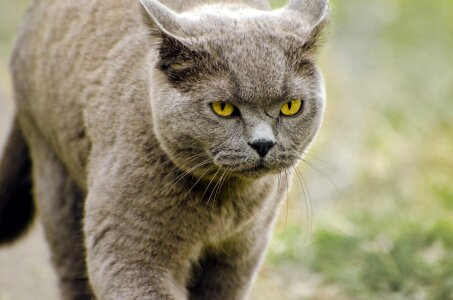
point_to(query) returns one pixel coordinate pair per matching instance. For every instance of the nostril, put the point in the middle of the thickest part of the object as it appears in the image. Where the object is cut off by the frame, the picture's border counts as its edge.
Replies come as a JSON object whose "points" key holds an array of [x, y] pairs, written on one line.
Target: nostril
{"points": [[262, 147]]}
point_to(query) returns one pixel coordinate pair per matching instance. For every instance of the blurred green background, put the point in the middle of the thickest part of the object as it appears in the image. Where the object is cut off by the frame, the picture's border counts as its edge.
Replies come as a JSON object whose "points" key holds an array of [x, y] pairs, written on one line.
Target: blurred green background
{"points": [[371, 216]]}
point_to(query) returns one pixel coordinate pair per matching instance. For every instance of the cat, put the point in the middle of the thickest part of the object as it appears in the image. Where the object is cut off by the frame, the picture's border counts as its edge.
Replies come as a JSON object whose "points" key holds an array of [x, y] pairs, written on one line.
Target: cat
{"points": [[158, 139]]}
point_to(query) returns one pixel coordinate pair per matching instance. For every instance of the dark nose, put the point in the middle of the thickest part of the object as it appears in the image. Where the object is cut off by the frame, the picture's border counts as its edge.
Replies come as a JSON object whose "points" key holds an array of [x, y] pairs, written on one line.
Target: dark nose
{"points": [[262, 147]]}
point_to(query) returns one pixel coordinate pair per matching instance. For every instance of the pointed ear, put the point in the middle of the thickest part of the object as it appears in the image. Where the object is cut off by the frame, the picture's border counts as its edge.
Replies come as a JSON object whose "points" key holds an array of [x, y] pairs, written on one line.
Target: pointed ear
{"points": [[313, 12], [310, 18], [165, 21], [181, 60], [167, 28]]}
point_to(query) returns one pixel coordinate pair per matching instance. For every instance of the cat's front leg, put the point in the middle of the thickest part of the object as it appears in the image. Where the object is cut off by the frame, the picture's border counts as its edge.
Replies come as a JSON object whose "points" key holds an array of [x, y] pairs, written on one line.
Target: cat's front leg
{"points": [[135, 247], [227, 271]]}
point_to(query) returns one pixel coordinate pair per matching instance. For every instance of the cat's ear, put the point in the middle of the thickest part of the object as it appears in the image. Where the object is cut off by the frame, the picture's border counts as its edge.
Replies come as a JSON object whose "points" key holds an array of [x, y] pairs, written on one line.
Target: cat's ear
{"points": [[164, 21], [310, 18], [177, 56], [312, 12]]}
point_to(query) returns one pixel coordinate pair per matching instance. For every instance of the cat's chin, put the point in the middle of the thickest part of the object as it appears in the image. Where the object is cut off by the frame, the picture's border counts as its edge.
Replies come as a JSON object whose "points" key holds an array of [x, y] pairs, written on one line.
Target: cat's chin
{"points": [[253, 173], [256, 172]]}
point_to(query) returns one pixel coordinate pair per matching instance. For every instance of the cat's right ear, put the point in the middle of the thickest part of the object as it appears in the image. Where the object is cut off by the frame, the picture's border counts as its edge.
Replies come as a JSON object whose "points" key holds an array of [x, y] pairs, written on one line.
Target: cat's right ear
{"points": [[164, 21], [168, 28], [178, 56]]}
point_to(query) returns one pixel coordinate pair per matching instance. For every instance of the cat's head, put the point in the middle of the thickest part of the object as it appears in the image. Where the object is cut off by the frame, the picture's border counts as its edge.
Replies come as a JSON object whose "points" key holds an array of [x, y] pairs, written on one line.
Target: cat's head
{"points": [[234, 87]]}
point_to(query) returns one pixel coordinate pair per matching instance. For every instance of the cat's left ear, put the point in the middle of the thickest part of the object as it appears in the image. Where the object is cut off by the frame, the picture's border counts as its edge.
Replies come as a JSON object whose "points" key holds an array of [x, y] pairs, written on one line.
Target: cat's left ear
{"points": [[308, 18], [312, 12]]}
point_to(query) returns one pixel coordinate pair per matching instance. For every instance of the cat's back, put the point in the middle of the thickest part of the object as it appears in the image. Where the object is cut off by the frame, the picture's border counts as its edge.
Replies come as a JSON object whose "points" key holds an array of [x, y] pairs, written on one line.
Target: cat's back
{"points": [[65, 56], [63, 37]]}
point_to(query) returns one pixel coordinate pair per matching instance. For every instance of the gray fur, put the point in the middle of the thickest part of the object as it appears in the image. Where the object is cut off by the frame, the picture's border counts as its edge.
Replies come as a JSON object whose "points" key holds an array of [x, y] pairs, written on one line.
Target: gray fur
{"points": [[113, 102]]}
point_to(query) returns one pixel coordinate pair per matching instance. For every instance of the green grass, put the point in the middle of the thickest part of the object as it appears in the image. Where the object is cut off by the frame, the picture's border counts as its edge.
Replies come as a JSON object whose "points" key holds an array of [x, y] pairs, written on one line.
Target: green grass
{"points": [[388, 258], [389, 233]]}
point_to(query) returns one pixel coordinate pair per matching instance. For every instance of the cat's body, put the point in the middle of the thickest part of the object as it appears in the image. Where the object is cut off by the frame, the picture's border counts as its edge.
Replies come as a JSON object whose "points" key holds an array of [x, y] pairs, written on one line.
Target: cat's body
{"points": [[120, 184]]}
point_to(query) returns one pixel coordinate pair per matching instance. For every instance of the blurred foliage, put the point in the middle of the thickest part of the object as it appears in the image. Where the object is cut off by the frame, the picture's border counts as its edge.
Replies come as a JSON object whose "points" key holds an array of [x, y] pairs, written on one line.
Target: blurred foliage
{"points": [[389, 235], [10, 14]]}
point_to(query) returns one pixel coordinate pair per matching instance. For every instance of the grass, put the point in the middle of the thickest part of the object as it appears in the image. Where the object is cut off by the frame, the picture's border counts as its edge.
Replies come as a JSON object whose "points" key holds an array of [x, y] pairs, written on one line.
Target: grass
{"points": [[389, 233]]}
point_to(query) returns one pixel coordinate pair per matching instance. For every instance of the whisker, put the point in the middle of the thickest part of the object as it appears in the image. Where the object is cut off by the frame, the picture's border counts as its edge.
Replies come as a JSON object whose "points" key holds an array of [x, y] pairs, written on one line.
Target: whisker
{"points": [[319, 172], [325, 163], [215, 186], [199, 179], [272, 200], [239, 200], [229, 190], [223, 179], [193, 158], [322, 174], [287, 202], [176, 168], [310, 201], [307, 209], [209, 184], [185, 173], [279, 242], [179, 155]]}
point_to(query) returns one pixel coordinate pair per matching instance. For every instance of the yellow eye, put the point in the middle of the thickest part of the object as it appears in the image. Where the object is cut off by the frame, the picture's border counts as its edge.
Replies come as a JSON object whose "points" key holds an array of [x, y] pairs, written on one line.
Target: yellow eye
{"points": [[223, 109], [291, 108]]}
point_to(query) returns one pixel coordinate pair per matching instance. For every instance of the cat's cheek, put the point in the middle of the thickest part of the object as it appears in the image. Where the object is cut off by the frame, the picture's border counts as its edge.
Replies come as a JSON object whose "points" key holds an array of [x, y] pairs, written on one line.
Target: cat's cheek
{"points": [[295, 135]]}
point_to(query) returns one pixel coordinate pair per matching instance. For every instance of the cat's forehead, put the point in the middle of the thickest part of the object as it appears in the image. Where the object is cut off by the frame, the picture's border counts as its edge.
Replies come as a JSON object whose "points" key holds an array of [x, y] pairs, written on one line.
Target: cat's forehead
{"points": [[257, 66], [261, 53], [254, 48], [221, 20]]}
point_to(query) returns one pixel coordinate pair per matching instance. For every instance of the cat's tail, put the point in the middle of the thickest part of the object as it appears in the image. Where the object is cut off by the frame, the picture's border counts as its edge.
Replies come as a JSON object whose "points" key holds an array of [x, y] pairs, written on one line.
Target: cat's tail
{"points": [[16, 201]]}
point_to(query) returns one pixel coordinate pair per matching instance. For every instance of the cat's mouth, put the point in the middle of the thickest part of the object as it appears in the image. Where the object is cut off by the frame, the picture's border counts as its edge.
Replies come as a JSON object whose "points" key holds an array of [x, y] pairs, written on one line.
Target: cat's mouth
{"points": [[243, 166]]}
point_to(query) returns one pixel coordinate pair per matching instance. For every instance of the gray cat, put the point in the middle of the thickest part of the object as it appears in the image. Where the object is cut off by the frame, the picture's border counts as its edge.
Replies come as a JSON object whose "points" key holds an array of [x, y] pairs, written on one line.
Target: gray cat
{"points": [[159, 138]]}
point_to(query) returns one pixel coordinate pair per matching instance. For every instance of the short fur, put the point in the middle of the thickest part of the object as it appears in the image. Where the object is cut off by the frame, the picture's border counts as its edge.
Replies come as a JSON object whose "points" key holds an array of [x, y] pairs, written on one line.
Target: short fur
{"points": [[133, 173]]}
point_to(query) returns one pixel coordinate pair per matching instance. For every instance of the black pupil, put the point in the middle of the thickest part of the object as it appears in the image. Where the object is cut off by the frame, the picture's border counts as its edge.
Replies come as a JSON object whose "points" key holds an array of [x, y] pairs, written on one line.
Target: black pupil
{"points": [[222, 106], [289, 105]]}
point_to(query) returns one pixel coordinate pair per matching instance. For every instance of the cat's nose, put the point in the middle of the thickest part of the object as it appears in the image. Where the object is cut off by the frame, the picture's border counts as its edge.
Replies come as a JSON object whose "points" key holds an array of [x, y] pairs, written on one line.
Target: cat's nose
{"points": [[262, 147]]}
